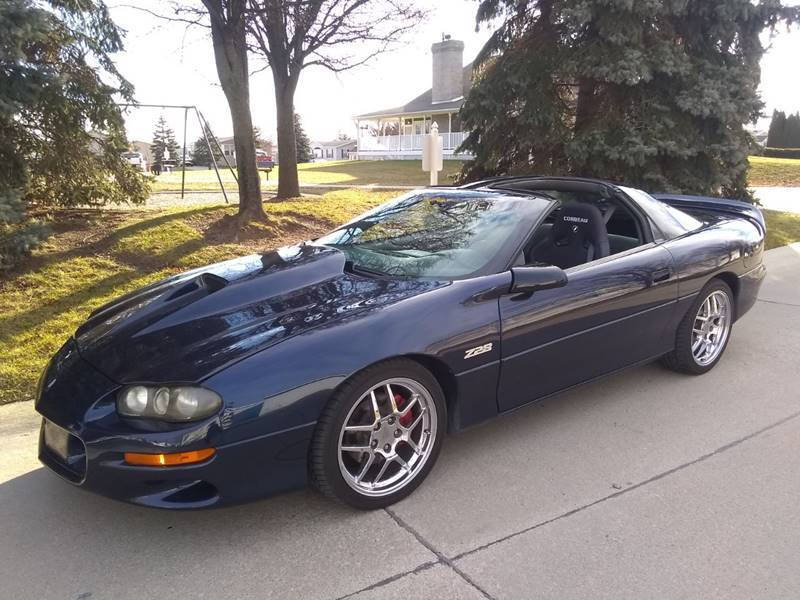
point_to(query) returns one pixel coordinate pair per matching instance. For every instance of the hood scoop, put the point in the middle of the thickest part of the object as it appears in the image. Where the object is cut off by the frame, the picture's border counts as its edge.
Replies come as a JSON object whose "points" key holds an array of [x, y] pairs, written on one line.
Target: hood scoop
{"points": [[206, 281], [138, 309]]}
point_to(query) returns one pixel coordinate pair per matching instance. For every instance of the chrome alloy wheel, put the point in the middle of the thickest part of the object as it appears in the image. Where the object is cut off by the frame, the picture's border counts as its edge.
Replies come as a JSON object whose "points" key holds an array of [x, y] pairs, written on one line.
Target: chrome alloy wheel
{"points": [[711, 328], [387, 437]]}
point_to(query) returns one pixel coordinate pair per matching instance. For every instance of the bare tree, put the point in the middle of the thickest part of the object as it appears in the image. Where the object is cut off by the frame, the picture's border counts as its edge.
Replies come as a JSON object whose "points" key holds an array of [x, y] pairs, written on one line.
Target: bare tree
{"points": [[334, 34], [229, 37], [226, 20]]}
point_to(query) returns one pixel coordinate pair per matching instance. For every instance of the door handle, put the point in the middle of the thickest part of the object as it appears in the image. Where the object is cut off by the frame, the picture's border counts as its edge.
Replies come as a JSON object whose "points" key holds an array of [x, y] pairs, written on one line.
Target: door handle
{"points": [[660, 275]]}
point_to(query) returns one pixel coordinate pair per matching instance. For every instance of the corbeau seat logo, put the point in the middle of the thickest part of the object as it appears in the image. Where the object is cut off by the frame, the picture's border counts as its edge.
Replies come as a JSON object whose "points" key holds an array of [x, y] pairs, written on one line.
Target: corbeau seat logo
{"points": [[476, 351], [576, 219]]}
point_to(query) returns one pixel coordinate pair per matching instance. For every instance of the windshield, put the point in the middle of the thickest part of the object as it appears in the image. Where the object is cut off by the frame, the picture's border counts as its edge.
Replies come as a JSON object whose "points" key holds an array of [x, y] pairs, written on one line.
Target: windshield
{"points": [[439, 234]]}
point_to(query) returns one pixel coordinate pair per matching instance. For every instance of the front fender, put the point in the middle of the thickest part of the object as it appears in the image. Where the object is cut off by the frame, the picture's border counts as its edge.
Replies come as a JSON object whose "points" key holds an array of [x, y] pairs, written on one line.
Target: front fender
{"points": [[287, 385]]}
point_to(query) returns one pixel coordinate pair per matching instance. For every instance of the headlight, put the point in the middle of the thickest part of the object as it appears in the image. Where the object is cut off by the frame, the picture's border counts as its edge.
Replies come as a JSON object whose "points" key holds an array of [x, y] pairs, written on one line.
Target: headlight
{"points": [[168, 403]]}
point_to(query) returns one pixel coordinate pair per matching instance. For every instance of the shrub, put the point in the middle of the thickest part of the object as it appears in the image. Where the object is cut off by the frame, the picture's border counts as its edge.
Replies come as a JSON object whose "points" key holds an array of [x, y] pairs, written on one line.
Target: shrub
{"points": [[782, 152]]}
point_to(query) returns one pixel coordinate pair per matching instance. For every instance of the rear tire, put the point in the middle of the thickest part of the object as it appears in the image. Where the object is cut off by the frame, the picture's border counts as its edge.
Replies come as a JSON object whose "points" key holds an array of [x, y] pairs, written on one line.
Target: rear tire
{"points": [[704, 331], [379, 436]]}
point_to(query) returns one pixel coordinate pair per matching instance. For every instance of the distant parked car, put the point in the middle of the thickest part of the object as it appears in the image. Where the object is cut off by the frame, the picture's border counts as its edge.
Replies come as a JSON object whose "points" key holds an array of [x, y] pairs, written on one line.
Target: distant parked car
{"points": [[136, 158], [264, 160]]}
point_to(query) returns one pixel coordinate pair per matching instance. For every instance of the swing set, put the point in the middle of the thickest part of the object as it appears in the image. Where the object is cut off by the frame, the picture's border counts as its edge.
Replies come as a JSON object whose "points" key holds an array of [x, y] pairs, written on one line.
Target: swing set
{"points": [[205, 129]]}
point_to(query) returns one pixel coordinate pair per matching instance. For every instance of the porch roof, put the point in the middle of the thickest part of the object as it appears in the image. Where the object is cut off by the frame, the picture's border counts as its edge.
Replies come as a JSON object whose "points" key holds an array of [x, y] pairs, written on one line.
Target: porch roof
{"points": [[424, 104]]}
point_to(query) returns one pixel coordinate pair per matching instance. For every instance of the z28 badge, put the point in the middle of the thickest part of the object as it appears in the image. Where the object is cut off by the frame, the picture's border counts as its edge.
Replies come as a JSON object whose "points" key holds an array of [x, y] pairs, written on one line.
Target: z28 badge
{"points": [[479, 350]]}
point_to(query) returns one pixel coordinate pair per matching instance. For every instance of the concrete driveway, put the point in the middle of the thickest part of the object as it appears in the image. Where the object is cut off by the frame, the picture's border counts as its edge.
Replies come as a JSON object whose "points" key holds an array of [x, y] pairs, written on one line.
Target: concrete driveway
{"points": [[786, 199], [648, 484]]}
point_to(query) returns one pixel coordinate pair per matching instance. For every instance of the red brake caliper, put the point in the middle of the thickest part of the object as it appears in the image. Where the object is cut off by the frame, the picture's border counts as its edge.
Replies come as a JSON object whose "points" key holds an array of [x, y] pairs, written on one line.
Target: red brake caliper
{"points": [[407, 418]]}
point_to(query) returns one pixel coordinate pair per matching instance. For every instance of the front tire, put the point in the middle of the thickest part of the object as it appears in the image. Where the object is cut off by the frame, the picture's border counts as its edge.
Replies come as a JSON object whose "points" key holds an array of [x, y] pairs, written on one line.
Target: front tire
{"points": [[704, 332], [379, 436]]}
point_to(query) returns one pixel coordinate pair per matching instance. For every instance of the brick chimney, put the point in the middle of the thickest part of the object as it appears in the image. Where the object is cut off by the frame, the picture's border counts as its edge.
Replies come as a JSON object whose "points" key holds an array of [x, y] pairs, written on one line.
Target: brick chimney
{"points": [[448, 65]]}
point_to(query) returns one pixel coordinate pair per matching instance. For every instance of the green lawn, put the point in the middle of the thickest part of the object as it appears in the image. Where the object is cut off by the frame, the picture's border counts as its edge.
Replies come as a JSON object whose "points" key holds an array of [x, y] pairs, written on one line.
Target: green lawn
{"points": [[95, 256], [782, 228], [776, 172], [763, 172], [347, 172]]}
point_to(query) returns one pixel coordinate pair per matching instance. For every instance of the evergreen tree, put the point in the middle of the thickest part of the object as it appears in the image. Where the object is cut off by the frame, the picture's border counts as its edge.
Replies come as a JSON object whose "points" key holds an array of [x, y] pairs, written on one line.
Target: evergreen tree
{"points": [[304, 151], [652, 93], [61, 135], [164, 147], [777, 130], [172, 147], [200, 154], [260, 142], [792, 132]]}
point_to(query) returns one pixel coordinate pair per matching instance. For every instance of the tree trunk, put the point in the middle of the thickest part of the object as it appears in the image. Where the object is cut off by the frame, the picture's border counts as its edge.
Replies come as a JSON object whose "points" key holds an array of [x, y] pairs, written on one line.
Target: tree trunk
{"points": [[584, 107], [230, 54], [584, 120], [250, 206], [288, 183]]}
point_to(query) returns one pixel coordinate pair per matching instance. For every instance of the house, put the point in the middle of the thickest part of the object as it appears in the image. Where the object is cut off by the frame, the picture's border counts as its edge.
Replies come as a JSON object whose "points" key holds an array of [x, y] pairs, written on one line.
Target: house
{"points": [[229, 150], [340, 149], [397, 133], [759, 136]]}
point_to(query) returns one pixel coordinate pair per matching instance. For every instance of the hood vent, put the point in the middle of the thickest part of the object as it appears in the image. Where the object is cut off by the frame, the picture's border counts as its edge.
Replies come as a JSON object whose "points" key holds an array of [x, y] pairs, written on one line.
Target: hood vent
{"points": [[207, 281]]}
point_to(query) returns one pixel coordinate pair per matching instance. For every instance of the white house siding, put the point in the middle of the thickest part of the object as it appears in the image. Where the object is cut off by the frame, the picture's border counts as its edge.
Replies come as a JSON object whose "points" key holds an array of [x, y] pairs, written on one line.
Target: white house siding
{"points": [[397, 133]]}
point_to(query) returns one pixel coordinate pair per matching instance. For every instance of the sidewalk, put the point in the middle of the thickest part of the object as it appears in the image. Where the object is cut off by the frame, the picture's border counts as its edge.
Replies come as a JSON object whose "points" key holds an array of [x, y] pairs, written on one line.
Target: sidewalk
{"points": [[785, 199]]}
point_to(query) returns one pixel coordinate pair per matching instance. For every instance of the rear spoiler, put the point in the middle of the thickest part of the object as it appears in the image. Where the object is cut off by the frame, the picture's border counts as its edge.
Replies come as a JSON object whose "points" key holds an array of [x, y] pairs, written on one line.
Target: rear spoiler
{"points": [[723, 206]]}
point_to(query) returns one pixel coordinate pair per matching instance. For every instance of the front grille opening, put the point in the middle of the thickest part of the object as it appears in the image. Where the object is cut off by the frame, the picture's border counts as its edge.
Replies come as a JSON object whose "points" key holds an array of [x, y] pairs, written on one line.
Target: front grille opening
{"points": [[73, 467], [199, 491]]}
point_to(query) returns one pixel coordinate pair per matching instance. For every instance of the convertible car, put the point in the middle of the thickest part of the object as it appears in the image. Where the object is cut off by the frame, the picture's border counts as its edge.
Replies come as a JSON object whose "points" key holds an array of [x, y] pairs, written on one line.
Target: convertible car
{"points": [[342, 362]]}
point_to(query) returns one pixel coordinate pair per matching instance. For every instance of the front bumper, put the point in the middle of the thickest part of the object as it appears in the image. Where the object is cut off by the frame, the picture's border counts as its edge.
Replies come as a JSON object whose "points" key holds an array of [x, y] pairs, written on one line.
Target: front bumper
{"points": [[250, 461], [236, 473]]}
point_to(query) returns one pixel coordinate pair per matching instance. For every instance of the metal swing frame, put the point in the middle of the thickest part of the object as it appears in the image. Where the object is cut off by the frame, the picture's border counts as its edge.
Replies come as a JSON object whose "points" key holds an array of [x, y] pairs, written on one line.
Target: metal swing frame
{"points": [[205, 129]]}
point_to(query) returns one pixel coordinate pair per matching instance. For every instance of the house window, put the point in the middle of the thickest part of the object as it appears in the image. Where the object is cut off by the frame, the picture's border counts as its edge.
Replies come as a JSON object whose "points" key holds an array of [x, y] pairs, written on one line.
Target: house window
{"points": [[420, 126]]}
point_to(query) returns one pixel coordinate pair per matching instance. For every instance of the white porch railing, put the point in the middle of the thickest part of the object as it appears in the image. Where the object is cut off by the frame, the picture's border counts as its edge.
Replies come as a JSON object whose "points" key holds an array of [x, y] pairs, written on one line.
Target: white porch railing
{"points": [[403, 143]]}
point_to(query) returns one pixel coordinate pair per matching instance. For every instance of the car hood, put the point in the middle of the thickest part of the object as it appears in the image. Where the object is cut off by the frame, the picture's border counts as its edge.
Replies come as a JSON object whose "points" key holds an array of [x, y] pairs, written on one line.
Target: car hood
{"points": [[186, 327]]}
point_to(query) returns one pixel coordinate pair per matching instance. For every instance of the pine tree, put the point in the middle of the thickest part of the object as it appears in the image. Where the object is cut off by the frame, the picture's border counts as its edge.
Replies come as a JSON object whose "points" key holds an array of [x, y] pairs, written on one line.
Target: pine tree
{"points": [[777, 130], [61, 134], [200, 154], [171, 145], [164, 147], [260, 142], [655, 94], [304, 151], [792, 131]]}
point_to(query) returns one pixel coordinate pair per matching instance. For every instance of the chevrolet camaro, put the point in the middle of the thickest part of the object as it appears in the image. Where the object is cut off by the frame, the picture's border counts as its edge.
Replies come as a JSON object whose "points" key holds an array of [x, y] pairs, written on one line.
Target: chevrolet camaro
{"points": [[342, 362]]}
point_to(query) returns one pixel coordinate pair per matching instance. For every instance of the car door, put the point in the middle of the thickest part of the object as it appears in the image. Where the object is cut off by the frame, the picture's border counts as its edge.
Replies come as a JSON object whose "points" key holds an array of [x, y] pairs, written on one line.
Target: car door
{"points": [[612, 313]]}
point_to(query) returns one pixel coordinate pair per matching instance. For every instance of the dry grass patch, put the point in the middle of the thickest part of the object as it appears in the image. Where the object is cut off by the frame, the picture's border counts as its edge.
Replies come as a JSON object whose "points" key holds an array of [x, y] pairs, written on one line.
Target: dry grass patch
{"points": [[95, 256], [774, 172]]}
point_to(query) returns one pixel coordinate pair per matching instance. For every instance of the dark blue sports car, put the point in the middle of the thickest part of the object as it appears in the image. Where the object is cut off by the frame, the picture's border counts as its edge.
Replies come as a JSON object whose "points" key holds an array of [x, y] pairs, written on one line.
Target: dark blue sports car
{"points": [[342, 362]]}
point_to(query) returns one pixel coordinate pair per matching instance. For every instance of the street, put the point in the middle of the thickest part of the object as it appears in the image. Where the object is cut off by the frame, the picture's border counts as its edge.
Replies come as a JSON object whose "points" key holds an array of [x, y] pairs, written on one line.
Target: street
{"points": [[647, 484]]}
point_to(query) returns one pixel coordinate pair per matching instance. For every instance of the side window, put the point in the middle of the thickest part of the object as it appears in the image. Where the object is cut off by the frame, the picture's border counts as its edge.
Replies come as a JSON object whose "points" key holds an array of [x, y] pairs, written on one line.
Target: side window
{"points": [[623, 229], [583, 228]]}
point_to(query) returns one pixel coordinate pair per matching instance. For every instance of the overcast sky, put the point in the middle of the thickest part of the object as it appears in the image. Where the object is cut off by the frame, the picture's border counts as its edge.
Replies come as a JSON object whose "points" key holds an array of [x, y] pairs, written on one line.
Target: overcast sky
{"points": [[169, 64]]}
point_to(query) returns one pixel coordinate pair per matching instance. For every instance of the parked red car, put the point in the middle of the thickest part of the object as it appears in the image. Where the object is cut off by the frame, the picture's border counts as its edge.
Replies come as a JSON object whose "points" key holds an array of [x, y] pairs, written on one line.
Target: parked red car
{"points": [[264, 160]]}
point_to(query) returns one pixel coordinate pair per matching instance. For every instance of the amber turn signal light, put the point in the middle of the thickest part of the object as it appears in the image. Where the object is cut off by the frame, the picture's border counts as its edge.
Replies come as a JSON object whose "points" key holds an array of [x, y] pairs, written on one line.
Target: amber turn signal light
{"points": [[172, 459]]}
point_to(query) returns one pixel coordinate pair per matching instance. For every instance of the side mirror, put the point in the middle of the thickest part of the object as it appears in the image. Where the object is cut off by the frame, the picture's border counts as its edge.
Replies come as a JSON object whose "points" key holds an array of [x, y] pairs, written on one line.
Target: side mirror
{"points": [[527, 280]]}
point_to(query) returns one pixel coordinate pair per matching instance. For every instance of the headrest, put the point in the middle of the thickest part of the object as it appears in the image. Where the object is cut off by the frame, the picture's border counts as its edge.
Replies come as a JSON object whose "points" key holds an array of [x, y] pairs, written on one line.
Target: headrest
{"points": [[578, 220]]}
